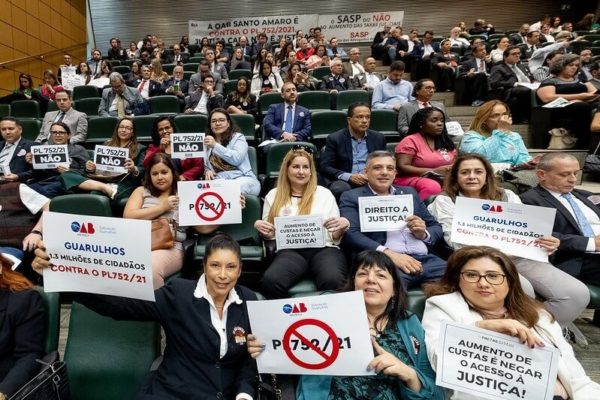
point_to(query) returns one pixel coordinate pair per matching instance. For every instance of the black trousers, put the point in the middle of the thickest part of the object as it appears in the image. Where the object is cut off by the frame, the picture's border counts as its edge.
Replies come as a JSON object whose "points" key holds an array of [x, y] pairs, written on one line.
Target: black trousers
{"points": [[590, 273], [477, 86], [518, 99], [326, 266]]}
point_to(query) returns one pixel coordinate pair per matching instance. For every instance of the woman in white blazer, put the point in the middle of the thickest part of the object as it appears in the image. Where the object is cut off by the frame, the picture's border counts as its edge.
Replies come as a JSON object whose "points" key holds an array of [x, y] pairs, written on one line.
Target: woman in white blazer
{"points": [[481, 288], [266, 80]]}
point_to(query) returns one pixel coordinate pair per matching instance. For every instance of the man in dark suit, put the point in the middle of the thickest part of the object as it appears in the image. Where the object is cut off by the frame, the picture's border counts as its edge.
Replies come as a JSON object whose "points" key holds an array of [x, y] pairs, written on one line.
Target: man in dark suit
{"points": [[287, 121], [262, 42], [408, 248], [204, 99], [344, 158], [147, 87], [577, 221], [245, 46], [520, 37], [176, 82], [177, 57], [422, 53], [337, 81], [507, 77], [203, 71], [13, 149], [475, 71], [532, 43]]}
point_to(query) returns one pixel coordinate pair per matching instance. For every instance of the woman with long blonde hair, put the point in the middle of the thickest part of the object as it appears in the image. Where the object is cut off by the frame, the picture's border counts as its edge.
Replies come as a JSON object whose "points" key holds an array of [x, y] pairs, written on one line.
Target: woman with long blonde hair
{"points": [[297, 193]]}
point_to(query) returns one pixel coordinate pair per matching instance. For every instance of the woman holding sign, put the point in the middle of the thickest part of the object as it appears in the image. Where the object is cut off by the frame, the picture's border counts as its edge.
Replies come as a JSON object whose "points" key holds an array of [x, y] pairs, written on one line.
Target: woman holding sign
{"points": [[158, 199], [297, 194], [205, 324], [473, 176], [403, 370], [188, 169], [227, 153], [115, 186], [424, 157], [481, 288], [47, 181]]}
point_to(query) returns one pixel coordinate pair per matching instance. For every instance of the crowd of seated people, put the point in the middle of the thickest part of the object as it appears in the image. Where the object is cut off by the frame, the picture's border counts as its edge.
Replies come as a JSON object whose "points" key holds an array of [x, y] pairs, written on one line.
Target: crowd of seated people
{"points": [[499, 79]]}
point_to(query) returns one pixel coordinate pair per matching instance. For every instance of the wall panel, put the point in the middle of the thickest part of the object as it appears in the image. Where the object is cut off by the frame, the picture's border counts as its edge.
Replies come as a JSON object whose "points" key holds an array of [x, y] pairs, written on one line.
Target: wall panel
{"points": [[34, 27]]}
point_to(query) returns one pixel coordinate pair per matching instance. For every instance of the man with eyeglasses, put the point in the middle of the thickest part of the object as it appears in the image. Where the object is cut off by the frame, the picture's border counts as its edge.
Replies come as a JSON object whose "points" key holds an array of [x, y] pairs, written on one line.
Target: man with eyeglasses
{"points": [[120, 100], [205, 98], [514, 83], [423, 93], [47, 181], [409, 248], [353, 67], [76, 120], [392, 92]]}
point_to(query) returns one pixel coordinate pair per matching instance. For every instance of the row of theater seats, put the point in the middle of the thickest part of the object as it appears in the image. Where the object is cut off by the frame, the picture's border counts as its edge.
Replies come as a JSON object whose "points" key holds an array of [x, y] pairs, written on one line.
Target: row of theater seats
{"points": [[324, 120]]}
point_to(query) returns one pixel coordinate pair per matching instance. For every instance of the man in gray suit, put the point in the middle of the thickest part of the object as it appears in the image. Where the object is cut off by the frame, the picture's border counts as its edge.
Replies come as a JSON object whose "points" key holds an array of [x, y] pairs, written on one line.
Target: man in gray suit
{"points": [[197, 79], [423, 92], [121, 100], [76, 120]]}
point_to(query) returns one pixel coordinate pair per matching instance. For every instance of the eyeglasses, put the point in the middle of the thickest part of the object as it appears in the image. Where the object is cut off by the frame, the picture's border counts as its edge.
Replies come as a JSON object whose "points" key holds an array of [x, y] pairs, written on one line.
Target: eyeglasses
{"points": [[126, 128], [218, 121], [300, 147], [59, 133], [493, 278]]}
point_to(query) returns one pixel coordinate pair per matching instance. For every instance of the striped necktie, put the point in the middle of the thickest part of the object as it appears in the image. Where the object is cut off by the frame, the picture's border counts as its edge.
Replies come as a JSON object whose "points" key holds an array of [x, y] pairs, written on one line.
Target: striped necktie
{"points": [[4, 153]]}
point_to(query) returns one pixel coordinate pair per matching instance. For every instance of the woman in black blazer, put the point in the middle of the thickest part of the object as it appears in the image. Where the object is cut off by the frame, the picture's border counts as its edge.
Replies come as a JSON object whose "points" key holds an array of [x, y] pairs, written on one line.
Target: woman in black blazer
{"points": [[205, 324], [22, 330]]}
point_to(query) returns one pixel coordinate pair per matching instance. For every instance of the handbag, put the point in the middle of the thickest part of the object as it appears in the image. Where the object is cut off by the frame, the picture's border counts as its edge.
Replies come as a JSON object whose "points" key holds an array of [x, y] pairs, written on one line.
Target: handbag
{"points": [[51, 383], [592, 162], [268, 391], [561, 139], [162, 234]]}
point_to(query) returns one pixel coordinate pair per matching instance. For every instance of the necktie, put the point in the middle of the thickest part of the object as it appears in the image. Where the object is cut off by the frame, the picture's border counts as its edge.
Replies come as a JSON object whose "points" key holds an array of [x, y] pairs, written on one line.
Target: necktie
{"points": [[583, 223], [120, 106], [481, 66], [289, 120], [141, 87], [60, 117], [4, 153], [520, 75]]}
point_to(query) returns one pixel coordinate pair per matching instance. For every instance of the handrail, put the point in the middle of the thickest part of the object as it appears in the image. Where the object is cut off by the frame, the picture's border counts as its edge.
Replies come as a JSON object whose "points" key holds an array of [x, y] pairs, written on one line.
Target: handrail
{"points": [[41, 55]]}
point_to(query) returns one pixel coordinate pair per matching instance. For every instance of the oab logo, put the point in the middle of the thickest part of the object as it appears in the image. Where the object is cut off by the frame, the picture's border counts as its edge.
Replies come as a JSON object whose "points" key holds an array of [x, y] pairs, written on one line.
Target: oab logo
{"points": [[204, 185], [491, 208], [86, 228], [294, 309]]}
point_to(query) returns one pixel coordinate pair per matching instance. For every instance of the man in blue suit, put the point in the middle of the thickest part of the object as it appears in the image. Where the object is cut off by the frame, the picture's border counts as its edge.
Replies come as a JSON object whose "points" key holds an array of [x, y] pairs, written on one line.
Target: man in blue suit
{"points": [[423, 52], [13, 148], [287, 121], [408, 248]]}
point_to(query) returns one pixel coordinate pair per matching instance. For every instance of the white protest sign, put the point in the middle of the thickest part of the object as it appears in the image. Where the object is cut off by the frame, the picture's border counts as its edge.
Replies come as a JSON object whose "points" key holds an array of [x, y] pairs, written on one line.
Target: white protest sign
{"points": [[319, 335], [111, 159], [494, 366], [230, 30], [4, 169], [69, 78], [454, 128], [215, 202], [384, 213], [510, 227], [187, 145], [299, 232], [50, 156], [98, 255], [358, 27]]}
